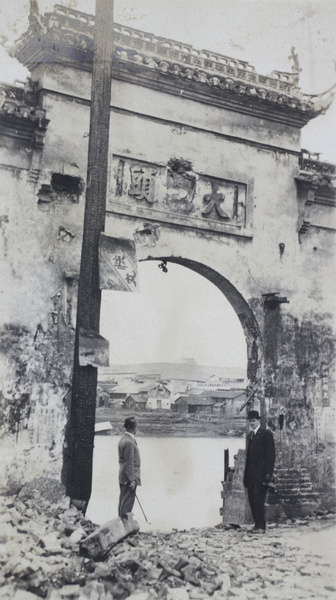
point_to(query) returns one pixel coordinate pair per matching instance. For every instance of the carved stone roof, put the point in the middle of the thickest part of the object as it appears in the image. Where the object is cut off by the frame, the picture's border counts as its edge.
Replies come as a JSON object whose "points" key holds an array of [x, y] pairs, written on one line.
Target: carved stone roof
{"points": [[20, 115], [316, 182], [66, 36], [18, 102], [310, 165], [318, 176]]}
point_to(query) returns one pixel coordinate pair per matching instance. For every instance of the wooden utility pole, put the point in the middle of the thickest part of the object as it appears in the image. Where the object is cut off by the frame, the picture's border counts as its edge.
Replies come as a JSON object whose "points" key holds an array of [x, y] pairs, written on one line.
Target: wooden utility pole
{"points": [[77, 473]]}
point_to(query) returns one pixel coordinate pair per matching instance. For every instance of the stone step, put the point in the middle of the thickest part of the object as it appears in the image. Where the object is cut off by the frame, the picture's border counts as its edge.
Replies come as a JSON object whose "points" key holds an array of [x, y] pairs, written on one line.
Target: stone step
{"points": [[299, 497], [292, 477], [291, 472], [296, 486]]}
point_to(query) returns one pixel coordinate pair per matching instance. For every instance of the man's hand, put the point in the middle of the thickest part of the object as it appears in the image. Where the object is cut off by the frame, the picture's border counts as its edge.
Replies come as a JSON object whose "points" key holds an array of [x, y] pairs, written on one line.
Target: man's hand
{"points": [[132, 485], [268, 478]]}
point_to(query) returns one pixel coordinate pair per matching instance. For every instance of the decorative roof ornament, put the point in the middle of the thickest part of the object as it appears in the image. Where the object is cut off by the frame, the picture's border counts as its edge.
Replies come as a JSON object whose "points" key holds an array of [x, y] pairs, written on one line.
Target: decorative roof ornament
{"points": [[295, 58], [34, 18], [296, 70], [66, 36], [34, 9]]}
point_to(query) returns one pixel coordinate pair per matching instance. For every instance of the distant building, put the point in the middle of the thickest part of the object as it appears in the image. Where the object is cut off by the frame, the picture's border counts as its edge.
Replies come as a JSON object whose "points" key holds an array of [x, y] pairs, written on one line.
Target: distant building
{"points": [[194, 404], [143, 377], [227, 402], [215, 382], [159, 397], [220, 402], [233, 402], [103, 398], [219, 408], [178, 378], [136, 402], [126, 388], [151, 397], [113, 377]]}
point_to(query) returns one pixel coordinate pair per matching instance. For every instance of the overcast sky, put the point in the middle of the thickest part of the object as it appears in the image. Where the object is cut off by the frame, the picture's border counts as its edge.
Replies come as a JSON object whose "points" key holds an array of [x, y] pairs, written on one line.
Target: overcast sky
{"points": [[180, 314], [175, 315]]}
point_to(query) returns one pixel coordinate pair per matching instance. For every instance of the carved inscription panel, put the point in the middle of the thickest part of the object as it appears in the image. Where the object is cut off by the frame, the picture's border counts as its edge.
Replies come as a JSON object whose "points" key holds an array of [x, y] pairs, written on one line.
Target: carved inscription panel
{"points": [[176, 194]]}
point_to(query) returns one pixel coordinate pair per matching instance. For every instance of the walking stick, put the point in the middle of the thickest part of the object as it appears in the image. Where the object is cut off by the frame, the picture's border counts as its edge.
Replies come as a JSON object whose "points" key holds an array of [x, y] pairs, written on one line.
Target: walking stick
{"points": [[143, 512]]}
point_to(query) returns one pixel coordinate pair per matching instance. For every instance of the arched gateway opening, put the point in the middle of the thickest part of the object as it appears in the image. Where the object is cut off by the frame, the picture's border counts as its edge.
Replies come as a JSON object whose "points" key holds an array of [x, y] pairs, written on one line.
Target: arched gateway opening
{"points": [[241, 307], [181, 469]]}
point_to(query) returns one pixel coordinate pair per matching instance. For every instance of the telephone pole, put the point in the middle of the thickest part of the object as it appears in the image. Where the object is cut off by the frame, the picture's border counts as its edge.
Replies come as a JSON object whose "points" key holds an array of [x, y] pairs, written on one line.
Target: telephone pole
{"points": [[78, 455]]}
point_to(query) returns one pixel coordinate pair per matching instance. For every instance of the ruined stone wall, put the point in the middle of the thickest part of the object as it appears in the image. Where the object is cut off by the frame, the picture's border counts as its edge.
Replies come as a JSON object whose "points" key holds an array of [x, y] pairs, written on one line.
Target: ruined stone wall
{"points": [[291, 345], [300, 394], [40, 239]]}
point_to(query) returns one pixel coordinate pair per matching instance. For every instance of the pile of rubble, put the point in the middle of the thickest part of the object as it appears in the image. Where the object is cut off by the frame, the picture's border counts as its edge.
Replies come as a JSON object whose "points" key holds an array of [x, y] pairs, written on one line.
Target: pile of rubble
{"points": [[41, 556]]}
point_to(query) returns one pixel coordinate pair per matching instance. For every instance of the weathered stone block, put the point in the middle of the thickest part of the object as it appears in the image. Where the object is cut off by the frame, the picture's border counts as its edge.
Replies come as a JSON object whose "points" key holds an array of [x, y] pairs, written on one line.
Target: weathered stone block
{"points": [[106, 536]]}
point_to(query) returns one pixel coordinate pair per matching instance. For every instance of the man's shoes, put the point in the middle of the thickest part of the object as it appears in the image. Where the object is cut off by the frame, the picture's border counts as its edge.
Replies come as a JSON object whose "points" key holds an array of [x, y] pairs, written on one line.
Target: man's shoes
{"points": [[257, 531]]}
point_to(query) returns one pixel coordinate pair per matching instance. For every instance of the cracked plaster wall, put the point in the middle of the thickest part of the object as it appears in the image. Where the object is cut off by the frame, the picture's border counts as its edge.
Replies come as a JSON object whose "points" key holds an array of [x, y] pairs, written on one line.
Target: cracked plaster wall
{"points": [[38, 310], [291, 346]]}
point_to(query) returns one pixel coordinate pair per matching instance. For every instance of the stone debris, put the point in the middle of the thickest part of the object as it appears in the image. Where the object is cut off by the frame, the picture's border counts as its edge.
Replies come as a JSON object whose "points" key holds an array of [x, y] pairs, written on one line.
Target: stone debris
{"points": [[43, 554], [100, 541]]}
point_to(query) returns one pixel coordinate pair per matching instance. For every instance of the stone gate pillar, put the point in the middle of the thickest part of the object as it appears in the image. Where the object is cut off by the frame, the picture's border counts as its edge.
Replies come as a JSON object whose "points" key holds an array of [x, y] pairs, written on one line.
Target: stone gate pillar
{"points": [[298, 382]]}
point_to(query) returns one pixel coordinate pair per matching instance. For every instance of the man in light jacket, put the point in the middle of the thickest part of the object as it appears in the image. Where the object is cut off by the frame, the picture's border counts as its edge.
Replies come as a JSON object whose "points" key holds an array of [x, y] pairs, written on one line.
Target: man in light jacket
{"points": [[260, 458], [129, 468]]}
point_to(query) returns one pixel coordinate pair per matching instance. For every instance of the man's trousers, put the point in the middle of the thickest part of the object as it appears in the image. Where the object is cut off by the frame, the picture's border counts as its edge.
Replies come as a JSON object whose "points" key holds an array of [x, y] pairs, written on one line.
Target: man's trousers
{"points": [[256, 496], [126, 500]]}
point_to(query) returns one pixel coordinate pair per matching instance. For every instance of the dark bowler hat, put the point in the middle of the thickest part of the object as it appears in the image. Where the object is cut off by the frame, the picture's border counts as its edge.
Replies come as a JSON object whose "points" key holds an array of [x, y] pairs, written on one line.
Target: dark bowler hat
{"points": [[253, 414], [130, 423]]}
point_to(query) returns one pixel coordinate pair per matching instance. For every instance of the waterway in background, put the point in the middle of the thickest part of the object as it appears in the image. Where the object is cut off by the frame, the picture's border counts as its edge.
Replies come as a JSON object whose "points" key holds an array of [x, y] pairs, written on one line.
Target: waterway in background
{"points": [[181, 481]]}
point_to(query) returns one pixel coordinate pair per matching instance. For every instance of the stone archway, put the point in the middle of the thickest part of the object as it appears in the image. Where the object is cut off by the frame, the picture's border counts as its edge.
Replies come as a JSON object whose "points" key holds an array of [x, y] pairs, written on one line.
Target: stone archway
{"points": [[245, 315], [195, 168], [235, 507]]}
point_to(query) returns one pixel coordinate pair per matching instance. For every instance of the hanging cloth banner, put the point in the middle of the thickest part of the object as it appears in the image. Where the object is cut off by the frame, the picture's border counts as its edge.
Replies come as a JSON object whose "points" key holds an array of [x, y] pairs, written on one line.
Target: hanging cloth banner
{"points": [[93, 349], [118, 267]]}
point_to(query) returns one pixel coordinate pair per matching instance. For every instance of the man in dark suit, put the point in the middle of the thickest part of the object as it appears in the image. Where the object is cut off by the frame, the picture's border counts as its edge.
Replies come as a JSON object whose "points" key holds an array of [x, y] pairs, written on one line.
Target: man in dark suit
{"points": [[129, 468], [260, 457]]}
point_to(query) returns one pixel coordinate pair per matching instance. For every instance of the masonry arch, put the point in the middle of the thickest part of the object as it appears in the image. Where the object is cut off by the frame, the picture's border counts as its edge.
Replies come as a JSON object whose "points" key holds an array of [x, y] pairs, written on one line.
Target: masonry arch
{"points": [[244, 312], [249, 325]]}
